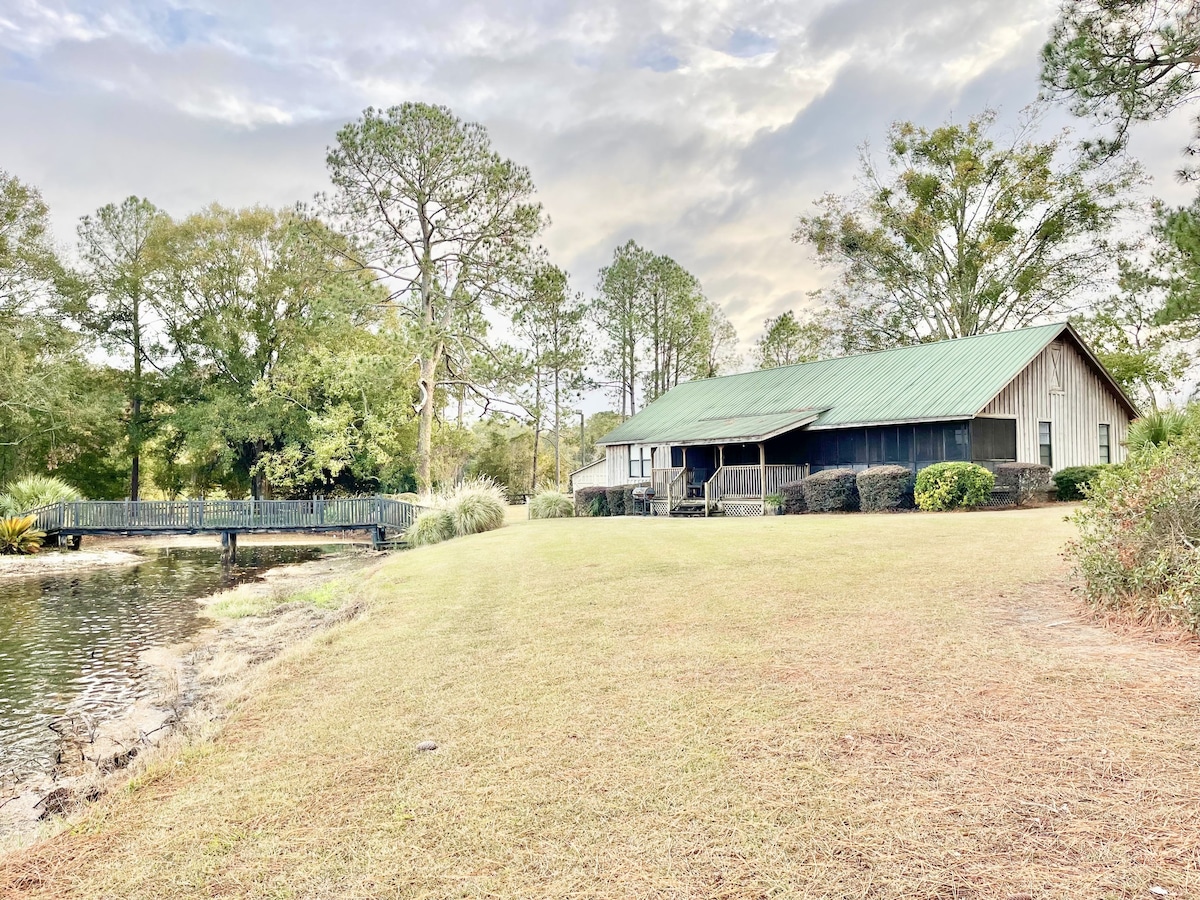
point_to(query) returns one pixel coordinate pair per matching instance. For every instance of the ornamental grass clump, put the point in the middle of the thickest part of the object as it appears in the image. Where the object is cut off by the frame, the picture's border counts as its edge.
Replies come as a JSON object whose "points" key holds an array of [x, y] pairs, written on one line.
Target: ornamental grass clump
{"points": [[1138, 550], [477, 506], [430, 527], [551, 505], [34, 491], [885, 489], [18, 535], [953, 485]]}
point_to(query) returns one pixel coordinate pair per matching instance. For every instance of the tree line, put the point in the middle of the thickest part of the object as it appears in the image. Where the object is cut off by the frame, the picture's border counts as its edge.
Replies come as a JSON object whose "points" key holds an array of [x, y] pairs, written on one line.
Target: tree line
{"points": [[405, 328]]}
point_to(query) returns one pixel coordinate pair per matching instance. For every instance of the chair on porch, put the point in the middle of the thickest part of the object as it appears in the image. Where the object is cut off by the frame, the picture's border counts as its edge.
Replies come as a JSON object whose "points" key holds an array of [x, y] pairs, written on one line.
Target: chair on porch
{"points": [[695, 483]]}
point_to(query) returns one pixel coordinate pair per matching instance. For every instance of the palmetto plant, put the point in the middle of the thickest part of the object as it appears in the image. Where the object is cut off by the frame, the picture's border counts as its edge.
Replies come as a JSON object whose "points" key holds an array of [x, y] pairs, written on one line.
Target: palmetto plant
{"points": [[17, 535], [33, 491], [1156, 428]]}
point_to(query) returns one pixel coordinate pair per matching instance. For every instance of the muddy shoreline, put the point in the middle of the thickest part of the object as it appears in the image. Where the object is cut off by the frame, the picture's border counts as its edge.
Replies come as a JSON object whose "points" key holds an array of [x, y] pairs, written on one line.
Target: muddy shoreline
{"points": [[193, 686]]}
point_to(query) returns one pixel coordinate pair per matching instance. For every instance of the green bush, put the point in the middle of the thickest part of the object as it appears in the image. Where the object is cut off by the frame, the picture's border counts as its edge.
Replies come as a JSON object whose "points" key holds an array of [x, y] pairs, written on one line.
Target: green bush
{"points": [[833, 490], [1074, 481], [430, 527], [793, 498], [591, 501], [1139, 534], [33, 491], [551, 505], [886, 488], [1023, 481], [953, 485], [616, 500]]}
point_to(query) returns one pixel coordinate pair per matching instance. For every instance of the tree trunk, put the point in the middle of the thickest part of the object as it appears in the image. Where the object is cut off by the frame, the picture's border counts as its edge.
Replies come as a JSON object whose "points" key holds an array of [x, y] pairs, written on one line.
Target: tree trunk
{"points": [[425, 423], [537, 439], [135, 422]]}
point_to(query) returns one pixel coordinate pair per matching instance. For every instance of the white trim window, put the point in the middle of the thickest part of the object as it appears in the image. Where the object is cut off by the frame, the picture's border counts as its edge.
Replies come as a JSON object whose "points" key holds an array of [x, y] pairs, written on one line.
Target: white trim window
{"points": [[1105, 444], [639, 462]]}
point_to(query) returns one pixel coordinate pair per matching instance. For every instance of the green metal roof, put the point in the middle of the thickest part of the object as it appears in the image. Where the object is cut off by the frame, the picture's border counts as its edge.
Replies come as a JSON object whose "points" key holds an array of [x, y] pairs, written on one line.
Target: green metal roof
{"points": [[944, 380]]}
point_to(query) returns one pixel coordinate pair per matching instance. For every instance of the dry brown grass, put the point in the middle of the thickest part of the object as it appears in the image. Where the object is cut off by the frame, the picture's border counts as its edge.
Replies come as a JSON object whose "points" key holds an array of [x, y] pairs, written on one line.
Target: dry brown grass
{"points": [[835, 707]]}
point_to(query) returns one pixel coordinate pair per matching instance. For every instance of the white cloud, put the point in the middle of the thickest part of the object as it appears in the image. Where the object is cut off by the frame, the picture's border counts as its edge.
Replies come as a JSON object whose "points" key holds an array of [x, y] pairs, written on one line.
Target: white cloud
{"points": [[700, 127]]}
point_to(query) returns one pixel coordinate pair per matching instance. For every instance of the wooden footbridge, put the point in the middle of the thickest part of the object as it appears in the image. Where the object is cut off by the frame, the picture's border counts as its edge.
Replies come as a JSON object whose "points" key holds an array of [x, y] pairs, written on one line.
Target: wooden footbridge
{"points": [[386, 519]]}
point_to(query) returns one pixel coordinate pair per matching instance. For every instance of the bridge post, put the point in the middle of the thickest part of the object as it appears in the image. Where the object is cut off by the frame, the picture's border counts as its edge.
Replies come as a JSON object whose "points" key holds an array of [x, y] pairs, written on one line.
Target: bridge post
{"points": [[228, 547], [377, 536]]}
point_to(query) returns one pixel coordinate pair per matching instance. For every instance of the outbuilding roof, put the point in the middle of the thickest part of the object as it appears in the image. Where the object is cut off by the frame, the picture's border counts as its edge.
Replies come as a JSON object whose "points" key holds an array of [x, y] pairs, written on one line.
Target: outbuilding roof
{"points": [[952, 379]]}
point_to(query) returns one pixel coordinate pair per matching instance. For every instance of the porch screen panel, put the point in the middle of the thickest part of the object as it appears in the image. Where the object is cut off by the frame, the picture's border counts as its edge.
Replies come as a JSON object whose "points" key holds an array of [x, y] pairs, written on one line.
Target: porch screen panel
{"points": [[994, 440]]}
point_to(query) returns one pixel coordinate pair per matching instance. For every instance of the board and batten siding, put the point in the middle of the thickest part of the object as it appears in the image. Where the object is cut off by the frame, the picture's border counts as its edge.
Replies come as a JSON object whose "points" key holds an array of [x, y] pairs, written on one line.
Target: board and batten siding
{"points": [[617, 470], [592, 475], [1075, 402]]}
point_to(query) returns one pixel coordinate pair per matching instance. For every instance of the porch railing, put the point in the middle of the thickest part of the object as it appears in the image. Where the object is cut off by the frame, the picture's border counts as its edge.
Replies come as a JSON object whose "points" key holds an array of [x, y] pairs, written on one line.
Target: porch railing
{"points": [[747, 482], [669, 485]]}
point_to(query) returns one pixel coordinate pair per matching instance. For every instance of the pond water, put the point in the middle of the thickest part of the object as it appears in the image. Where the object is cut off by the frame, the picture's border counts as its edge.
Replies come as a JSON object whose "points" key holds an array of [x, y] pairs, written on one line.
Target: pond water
{"points": [[71, 643]]}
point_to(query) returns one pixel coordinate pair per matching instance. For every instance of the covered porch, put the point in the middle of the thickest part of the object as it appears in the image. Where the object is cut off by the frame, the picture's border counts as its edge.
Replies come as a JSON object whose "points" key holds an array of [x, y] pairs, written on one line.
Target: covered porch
{"points": [[722, 479]]}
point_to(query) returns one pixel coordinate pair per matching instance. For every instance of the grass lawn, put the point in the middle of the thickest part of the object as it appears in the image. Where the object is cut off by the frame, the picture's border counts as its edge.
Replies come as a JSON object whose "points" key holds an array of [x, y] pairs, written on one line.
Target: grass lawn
{"points": [[884, 706]]}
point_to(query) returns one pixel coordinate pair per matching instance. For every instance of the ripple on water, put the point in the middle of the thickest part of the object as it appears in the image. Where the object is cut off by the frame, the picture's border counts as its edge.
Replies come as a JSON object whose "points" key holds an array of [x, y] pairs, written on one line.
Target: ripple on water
{"points": [[71, 643]]}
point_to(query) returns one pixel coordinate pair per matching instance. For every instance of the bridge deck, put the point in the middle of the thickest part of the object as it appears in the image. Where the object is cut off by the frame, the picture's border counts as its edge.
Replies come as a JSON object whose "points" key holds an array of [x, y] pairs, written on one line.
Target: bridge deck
{"points": [[382, 515]]}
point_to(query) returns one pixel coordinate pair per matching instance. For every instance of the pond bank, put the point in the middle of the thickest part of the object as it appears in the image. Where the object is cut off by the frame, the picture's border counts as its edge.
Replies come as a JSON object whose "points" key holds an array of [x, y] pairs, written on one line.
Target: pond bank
{"points": [[53, 562], [192, 684]]}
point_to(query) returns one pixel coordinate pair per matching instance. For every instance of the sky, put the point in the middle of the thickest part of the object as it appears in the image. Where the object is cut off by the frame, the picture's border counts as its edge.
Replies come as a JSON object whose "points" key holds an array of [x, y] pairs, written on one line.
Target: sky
{"points": [[700, 129]]}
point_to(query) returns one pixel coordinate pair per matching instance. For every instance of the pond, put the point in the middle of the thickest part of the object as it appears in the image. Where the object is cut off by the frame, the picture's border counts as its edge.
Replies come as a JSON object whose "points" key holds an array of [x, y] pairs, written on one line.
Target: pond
{"points": [[72, 642]]}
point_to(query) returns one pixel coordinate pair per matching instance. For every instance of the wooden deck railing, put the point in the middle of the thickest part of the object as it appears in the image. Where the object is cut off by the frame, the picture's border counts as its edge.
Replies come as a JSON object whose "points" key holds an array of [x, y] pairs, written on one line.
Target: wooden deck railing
{"points": [[669, 485], [225, 515], [746, 482]]}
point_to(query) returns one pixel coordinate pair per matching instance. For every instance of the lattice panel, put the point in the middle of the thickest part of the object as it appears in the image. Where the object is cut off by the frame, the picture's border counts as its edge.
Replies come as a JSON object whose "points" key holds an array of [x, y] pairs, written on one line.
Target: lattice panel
{"points": [[742, 507], [660, 507]]}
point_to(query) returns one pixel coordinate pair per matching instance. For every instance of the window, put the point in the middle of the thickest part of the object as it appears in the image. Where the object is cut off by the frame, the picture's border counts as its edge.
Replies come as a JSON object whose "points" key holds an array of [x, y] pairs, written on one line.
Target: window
{"points": [[994, 440], [1045, 449], [1105, 445], [639, 462], [958, 442]]}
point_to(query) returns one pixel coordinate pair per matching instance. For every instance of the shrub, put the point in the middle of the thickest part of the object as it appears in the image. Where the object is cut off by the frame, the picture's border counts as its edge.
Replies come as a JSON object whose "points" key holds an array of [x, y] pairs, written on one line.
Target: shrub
{"points": [[33, 491], [627, 499], [1156, 428], [1025, 481], [953, 485], [551, 505], [833, 490], [1139, 535], [477, 506], [431, 527], [616, 500], [1073, 482], [883, 488], [591, 501], [793, 498]]}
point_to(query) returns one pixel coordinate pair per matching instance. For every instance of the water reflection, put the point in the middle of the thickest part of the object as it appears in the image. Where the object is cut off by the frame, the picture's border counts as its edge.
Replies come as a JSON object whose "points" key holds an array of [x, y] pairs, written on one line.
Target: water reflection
{"points": [[71, 642]]}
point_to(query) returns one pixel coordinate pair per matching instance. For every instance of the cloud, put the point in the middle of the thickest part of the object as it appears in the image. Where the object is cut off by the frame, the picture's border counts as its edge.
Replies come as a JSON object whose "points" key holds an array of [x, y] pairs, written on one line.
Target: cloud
{"points": [[701, 128]]}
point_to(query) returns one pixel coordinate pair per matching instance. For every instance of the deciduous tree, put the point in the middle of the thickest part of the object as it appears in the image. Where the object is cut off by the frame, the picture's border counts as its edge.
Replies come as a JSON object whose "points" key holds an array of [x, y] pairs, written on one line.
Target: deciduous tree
{"points": [[788, 339], [958, 233]]}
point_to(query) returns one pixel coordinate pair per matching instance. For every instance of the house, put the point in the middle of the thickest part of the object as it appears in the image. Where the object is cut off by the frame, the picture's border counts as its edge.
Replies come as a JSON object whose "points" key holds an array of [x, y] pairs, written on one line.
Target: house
{"points": [[594, 474], [1031, 395]]}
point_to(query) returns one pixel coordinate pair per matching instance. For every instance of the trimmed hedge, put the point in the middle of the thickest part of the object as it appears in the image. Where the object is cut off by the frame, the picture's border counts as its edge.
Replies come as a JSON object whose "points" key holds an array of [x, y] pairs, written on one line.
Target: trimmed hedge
{"points": [[620, 499], [833, 490], [885, 488], [953, 485], [793, 498], [591, 501], [1073, 482], [1024, 480]]}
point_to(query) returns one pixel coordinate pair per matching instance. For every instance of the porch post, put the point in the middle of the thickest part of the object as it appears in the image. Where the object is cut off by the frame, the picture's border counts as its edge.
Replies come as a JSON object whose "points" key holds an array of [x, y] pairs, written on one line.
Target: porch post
{"points": [[720, 455], [762, 467]]}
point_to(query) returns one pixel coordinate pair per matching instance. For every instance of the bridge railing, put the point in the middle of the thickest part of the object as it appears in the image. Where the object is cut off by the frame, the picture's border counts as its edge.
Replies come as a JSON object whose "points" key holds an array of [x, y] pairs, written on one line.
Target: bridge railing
{"points": [[214, 515]]}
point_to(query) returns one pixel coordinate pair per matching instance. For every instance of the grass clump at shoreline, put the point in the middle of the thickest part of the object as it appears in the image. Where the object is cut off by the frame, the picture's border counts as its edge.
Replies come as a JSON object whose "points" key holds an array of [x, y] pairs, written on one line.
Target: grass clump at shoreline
{"points": [[823, 707]]}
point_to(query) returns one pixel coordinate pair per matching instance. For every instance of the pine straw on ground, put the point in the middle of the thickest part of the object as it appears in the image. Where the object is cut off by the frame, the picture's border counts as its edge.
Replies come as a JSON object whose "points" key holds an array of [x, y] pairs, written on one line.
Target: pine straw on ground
{"points": [[836, 707]]}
